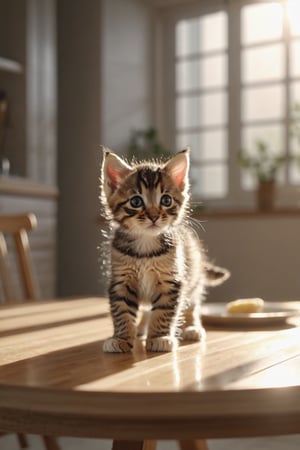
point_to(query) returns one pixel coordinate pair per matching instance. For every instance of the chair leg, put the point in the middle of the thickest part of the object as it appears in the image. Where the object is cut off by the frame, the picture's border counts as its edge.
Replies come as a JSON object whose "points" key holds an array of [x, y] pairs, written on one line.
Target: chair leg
{"points": [[50, 443], [134, 445], [23, 443], [200, 444]]}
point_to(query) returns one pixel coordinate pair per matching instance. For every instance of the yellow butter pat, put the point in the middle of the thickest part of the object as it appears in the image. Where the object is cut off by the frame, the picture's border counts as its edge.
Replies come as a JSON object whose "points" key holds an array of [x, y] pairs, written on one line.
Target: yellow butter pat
{"points": [[245, 305]]}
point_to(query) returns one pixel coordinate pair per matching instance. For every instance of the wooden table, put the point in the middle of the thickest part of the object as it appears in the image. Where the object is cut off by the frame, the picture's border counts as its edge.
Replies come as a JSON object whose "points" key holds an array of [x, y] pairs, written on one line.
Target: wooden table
{"points": [[55, 379]]}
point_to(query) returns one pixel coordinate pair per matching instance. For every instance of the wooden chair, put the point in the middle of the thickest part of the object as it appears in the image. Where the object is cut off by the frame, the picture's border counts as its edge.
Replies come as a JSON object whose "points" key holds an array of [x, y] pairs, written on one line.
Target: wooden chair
{"points": [[17, 227]]}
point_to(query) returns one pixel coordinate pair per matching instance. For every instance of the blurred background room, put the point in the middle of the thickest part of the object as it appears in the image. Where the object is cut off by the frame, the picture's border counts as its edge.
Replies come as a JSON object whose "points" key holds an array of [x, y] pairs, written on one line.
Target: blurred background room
{"points": [[148, 77]]}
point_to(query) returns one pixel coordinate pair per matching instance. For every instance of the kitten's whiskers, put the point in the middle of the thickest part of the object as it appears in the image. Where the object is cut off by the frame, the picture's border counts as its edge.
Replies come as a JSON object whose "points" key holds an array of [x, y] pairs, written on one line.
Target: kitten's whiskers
{"points": [[196, 224]]}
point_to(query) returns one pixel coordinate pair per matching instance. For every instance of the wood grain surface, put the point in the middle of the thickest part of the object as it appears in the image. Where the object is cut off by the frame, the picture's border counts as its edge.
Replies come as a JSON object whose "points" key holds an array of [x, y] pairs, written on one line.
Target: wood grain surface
{"points": [[55, 379]]}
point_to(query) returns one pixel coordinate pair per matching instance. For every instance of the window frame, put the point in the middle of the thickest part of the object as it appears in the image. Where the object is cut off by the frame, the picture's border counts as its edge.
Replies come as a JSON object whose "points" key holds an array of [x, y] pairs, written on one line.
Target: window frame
{"points": [[165, 100]]}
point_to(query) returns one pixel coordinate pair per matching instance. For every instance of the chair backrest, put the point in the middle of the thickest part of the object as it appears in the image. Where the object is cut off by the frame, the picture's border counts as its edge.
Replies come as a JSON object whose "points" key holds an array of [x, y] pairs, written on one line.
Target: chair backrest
{"points": [[17, 226]]}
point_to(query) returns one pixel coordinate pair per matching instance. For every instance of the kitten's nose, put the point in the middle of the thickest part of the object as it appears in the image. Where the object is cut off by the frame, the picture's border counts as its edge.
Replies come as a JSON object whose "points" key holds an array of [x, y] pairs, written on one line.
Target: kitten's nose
{"points": [[153, 217]]}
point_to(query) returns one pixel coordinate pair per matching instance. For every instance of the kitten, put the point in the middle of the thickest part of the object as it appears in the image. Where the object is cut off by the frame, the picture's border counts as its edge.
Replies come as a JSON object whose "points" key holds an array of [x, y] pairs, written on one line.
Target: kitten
{"points": [[156, 258]]}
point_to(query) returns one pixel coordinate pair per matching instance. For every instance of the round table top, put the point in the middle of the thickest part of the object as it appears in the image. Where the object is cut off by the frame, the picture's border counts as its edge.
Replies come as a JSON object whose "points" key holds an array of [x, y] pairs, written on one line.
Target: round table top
{"points": [[55, 379]]}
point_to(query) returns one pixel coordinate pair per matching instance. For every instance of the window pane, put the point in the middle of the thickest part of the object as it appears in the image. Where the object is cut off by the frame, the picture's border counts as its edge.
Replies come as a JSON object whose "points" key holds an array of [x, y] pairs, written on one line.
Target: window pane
{"points": [[295, 57], [294, 173], [214, 109], [204, 73], [188, 112], [209, 181], [261, 22], [273, 135], [295, 141], [205, 146], [201, 110], [295, 125], [214, 71], [263, 63], [293, 14], [247, 180], [263, 103], [191, 140], [195, 35], [187, 37], [295, 93], [214, 32], [187, 75]]}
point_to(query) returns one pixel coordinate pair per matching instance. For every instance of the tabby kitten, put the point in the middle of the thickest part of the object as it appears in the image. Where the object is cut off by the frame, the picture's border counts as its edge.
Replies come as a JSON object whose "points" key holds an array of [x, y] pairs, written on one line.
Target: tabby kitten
{"points": [[156, 258]]}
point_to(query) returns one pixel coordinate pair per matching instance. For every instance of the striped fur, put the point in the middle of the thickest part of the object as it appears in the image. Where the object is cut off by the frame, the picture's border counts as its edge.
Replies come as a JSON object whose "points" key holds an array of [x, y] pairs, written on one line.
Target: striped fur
{"points": [[156, 260]]}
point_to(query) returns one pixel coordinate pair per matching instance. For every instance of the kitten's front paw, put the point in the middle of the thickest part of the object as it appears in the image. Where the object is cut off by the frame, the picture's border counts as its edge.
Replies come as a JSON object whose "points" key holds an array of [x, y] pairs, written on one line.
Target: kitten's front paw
{"points": [[161, 344], [116, 345], [193, 333]]}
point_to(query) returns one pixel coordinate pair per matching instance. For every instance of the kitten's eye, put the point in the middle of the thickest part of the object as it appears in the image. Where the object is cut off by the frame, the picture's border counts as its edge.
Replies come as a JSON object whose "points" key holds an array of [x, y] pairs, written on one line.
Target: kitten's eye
{"points": [[166, 200], [136, 201]]}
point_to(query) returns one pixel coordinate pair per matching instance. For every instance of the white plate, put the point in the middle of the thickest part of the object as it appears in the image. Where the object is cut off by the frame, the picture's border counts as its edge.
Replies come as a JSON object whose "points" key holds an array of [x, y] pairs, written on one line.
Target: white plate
{"points": [[273, 314]]}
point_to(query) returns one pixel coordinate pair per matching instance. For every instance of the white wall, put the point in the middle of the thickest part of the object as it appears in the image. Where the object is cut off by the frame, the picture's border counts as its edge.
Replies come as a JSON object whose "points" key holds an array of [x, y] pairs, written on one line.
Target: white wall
{"points": [[262, 253], [79, 120], [41, 72], [126, 70]]}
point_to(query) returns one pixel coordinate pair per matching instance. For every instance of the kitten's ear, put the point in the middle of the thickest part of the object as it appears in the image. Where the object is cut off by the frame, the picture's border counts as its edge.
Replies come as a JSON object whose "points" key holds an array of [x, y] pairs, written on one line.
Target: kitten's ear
{"points": [[114, 170], [178, 167]]}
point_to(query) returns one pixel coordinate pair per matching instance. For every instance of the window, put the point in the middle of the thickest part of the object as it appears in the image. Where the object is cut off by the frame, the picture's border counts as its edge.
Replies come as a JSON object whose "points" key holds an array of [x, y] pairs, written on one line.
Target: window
{"points": [[236, 81], [201, 100], [268, 70]]}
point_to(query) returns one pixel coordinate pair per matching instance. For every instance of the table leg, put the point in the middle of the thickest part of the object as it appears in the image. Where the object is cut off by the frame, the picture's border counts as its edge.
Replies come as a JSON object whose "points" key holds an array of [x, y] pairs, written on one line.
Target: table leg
{"points": [[134, 445], [23, 443], [50, 443], [200, 444]]}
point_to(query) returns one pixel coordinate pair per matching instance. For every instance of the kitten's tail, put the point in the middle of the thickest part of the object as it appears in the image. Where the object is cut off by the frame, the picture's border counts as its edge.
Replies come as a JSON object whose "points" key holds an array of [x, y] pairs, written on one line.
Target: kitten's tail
{"points": [[215, 275]]}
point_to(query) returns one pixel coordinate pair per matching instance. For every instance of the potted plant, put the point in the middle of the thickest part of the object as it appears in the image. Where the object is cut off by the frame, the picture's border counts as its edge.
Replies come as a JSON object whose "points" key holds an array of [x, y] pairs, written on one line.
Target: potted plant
{"points": [[264, 166]]}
